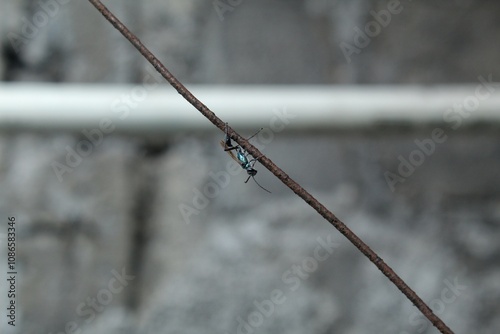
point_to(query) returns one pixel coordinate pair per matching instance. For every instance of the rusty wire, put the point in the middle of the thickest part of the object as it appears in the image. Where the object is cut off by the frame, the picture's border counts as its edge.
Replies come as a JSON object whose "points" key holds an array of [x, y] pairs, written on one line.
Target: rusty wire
{"points": [[278, 172]]}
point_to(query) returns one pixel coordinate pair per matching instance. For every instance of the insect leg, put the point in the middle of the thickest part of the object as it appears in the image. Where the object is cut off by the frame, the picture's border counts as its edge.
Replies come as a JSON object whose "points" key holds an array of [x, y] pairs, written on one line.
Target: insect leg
{"points": [[230, 148]]}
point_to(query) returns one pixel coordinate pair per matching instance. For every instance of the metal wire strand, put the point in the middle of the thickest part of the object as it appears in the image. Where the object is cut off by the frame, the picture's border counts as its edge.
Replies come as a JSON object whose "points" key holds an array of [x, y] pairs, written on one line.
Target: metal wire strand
{"points": [[278, 172]]}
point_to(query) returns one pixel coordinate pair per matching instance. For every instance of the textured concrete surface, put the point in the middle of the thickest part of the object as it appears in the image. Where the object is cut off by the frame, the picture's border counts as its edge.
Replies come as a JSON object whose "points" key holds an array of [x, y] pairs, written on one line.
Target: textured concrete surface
{"points": [[119, 211], [257, 42], [125, 243]]}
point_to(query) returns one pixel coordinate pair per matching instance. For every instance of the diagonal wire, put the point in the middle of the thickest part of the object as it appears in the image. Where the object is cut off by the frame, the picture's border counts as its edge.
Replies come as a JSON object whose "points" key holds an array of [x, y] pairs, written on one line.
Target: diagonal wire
{"points": [[278, 172]]}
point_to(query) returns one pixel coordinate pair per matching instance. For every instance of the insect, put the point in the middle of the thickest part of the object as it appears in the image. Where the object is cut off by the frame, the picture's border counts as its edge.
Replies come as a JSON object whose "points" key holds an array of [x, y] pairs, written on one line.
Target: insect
{"points": [[241, 157]]}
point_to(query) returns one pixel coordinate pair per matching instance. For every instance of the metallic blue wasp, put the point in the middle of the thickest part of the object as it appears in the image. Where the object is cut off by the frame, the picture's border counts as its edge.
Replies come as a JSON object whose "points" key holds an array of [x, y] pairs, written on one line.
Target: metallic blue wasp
{"points": [[241, 157]]}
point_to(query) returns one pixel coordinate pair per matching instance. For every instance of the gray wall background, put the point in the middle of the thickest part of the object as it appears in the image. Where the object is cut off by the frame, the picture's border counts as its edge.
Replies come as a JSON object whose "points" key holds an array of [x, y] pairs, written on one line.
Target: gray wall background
{"points": [[118, 211]]}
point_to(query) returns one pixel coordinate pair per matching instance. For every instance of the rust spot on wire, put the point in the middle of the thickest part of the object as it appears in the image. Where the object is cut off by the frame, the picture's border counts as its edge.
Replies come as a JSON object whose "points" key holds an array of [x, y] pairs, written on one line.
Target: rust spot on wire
{"points": [[280, 174]]}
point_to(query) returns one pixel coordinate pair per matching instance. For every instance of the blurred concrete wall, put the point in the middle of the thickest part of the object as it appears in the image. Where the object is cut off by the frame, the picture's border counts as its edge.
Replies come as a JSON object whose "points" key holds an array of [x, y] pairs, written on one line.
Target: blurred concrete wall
{"points": [[126, 243], [315, 41]]}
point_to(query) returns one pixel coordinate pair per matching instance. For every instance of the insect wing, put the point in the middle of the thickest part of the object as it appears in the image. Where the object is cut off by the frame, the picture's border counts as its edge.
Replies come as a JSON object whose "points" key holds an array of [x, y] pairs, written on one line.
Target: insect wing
{"points": [[231, 154]]}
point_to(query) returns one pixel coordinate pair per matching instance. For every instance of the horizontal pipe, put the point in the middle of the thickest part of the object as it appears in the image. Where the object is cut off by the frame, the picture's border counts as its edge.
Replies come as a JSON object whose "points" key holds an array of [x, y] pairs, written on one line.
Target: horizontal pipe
{"points": [[146, 107]]}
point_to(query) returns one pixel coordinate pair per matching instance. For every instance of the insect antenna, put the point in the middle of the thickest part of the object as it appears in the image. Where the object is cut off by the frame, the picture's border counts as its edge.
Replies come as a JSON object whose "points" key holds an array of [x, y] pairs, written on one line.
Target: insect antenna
{"points": [[256, 133], [259, 184]]}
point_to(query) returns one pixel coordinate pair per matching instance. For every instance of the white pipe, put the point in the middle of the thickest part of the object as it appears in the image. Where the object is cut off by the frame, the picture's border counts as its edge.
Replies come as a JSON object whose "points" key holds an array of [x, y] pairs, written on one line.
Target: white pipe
{"points": [[144, 108]]}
